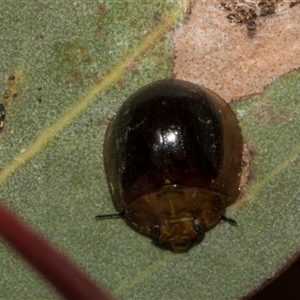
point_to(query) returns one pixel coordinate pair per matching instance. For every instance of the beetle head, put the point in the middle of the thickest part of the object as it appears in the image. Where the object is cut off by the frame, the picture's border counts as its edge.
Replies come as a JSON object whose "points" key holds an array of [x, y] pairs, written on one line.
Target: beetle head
{"points": [[179, 234]]}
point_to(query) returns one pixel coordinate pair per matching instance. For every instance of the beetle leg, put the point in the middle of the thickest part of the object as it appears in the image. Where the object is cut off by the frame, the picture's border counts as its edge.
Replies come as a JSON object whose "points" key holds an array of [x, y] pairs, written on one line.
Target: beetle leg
{"points": [[229, 220]]}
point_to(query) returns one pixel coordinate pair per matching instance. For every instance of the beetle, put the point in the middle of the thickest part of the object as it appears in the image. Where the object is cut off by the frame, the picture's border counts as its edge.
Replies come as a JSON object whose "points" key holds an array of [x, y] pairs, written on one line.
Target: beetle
{"points": [[172, 157]]}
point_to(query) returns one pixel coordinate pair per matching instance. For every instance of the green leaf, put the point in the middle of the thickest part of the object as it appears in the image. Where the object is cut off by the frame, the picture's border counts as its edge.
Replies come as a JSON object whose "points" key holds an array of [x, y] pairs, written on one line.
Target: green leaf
{"points": [[73, 64], [65, 69]]}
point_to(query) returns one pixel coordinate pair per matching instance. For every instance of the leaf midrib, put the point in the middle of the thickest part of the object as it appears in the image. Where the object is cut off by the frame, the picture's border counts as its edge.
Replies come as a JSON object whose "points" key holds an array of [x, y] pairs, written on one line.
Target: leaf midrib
{"points": [[112, 76]]}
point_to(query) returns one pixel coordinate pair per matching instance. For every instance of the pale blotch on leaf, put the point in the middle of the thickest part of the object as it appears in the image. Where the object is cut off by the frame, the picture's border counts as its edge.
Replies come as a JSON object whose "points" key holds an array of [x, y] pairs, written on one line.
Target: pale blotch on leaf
{"points": [[220, 55]]}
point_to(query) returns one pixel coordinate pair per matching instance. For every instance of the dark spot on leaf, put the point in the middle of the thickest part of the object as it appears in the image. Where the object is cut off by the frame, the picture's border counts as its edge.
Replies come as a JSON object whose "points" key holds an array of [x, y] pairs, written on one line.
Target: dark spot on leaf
{"points": [[132, 69], [98, 31], [240, 12], [157, 18], [101, 8], [70, 56], [2, 116], [6, 94], [12, 79], [119, 84], [292, 4], [77, 77]]}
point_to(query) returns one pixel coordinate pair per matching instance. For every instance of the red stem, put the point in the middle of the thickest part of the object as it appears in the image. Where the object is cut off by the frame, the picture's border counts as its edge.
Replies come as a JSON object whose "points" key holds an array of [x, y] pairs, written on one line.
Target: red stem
{"points": [[67, 278]]}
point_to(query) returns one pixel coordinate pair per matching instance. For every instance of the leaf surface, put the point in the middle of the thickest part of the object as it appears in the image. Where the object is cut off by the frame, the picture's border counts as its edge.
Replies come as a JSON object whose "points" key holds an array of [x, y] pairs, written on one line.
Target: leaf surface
{"points": [[65, 69]]}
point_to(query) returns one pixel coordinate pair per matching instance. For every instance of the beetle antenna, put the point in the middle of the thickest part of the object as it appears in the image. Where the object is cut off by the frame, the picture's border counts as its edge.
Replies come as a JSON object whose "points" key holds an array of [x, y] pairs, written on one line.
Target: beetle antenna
{"points": [[229, 220], [109, 216]]}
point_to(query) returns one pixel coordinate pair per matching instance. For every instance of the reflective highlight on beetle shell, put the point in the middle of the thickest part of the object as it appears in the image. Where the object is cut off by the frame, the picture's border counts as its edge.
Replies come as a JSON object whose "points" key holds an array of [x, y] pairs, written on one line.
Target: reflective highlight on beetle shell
{"points": [[173, 156]]}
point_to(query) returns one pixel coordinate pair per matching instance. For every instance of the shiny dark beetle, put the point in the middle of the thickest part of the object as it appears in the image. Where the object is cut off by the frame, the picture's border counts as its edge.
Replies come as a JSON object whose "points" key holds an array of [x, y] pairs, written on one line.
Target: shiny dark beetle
{"points": [[172, 156]]}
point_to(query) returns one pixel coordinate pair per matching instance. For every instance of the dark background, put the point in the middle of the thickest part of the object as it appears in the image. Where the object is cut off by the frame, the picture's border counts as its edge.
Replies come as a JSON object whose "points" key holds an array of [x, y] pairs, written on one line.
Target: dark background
{"points": [[286, 286]]}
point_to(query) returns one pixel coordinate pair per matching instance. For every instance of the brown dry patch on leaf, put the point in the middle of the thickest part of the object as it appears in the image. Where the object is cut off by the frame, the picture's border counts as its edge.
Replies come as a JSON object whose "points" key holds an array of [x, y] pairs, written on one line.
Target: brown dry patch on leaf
{"points": [[222, 56], [246, 175]]}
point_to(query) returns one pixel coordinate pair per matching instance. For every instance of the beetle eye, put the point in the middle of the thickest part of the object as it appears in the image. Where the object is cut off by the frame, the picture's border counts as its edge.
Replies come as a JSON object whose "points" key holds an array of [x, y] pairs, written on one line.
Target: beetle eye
{"points": [[199, 227], [155, 232]]}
